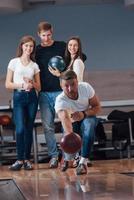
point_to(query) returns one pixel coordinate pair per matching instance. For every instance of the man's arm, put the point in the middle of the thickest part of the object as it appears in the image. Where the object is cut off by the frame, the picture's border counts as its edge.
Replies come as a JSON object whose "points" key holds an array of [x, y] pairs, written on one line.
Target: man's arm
{"points": [[95, 106], [93, 110], [66, 121]]}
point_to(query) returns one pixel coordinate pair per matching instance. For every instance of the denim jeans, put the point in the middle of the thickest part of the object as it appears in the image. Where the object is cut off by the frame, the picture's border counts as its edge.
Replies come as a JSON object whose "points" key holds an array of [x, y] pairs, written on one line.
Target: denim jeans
{"points": [[47, 103], [25, 106], [86, 129]]}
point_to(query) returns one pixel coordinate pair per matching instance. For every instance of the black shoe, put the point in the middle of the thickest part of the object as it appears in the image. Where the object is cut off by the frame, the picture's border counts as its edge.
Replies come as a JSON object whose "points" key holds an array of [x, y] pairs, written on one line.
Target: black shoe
{"points": [[28, 165], [53, 163], [81, 169], [16, 166], [64, 166], [89, 164]]}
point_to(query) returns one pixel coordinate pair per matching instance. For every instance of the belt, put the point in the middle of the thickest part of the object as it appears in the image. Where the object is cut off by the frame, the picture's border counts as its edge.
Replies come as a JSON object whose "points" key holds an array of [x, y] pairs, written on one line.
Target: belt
{"points": [[17, 90], [22, 90]]}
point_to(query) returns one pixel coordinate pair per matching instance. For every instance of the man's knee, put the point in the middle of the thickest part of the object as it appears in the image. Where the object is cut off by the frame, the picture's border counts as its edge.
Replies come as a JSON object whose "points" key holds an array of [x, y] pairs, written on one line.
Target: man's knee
{"points": [[88, 127], [90, 122]]}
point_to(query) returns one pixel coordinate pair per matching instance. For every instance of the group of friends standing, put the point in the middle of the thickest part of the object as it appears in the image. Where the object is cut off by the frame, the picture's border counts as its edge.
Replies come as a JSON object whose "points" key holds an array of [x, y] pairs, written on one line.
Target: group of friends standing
{"points": [[33, 83]]}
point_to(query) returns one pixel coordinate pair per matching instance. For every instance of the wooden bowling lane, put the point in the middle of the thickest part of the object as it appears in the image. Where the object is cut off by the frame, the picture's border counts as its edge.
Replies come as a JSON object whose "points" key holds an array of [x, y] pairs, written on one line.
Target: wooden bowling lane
{"points": [[104, 181]]}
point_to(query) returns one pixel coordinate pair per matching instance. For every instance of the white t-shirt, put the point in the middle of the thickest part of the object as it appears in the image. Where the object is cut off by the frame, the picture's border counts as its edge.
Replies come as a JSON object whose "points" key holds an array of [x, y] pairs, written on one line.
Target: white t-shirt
{"points": [[78, 68], [85, 93], [21, 71]]}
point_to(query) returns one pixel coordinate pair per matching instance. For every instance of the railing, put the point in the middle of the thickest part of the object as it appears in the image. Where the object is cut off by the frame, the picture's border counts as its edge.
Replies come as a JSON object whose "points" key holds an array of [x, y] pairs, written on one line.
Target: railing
{"points": [[117, 103], [104, 104]]}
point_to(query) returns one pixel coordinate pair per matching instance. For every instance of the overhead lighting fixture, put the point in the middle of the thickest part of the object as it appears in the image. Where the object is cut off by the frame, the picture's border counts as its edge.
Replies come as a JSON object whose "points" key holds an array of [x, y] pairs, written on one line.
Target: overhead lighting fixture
{"points": [[129, 3], [11, 6], [39, 2]]}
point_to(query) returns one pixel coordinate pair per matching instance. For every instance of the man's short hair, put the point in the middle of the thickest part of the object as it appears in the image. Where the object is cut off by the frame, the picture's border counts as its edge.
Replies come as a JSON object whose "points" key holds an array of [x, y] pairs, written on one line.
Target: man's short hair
{"points": [[44, 26], [67, 75]]}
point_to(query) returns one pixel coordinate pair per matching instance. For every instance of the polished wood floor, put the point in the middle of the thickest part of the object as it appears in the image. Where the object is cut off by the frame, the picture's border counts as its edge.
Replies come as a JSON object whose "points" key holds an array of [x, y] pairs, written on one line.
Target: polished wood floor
{"points": [[104, 181]]}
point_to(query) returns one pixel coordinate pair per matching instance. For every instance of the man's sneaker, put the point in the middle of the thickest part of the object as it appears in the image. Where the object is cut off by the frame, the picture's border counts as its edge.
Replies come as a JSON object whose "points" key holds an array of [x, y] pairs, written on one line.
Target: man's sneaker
{"points": [[76, 162], [28, 165], [53, 163], [64, 166], [81, 169], [16, 166]]}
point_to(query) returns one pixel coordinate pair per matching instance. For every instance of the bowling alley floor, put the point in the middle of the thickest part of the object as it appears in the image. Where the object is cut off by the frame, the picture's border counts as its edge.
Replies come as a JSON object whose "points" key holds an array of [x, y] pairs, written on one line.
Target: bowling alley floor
{"points": [[106, 180]]}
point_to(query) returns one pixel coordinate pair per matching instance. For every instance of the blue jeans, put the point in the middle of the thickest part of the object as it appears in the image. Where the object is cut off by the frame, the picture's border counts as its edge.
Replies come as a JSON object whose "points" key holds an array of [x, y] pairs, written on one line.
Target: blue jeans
{"points": [[86, 129], [47, 103], [25, 106]]}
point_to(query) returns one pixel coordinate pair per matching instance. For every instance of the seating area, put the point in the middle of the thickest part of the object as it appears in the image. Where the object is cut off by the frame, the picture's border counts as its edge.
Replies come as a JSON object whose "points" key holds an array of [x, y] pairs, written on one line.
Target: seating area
{"points": [[7, 133]]}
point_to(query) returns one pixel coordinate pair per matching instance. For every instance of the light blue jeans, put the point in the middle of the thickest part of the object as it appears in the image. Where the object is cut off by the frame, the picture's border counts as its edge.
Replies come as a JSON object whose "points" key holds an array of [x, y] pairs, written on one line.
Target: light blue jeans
{"points": [[86, 129], [47, 103]]}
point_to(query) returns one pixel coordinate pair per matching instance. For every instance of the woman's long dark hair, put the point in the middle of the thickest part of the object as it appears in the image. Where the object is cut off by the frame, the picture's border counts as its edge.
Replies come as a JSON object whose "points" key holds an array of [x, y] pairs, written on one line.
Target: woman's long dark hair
{"points": [[67, 53], [25, 39]]}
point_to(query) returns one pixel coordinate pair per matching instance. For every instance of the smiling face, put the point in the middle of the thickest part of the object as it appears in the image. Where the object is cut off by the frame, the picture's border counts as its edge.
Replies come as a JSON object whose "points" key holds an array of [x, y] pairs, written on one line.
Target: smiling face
{"points": [[46, 37], [73, 47], [27, 48]]}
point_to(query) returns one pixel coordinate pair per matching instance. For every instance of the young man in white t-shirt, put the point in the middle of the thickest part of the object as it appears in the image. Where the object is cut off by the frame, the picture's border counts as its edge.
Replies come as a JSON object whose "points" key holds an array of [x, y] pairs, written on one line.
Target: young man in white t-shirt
{"points": [[78, 105]]}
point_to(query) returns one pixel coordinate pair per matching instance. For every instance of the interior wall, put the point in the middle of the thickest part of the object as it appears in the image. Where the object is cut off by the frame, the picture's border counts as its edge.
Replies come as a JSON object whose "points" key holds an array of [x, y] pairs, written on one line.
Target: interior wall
{"points": [[106, 32]]}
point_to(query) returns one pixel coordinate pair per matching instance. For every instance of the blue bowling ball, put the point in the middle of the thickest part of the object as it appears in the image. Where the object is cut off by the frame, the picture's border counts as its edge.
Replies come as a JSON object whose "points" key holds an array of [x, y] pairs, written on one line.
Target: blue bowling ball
{"points": [[57, 62]]}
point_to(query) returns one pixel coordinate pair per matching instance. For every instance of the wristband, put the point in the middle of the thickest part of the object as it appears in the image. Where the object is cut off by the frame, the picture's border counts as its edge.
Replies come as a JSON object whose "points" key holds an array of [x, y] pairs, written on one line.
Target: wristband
{"points": [[84, 113]]}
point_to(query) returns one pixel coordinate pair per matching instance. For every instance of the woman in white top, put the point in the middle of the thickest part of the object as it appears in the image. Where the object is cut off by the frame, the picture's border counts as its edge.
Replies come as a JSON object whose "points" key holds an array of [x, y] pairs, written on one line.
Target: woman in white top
{"points": [[24, 79], [73, 57]]}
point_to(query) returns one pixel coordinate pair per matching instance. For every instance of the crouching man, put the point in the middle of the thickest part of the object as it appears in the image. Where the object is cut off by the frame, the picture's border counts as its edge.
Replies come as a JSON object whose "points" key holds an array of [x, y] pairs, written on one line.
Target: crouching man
{"points": [[77, 107]]}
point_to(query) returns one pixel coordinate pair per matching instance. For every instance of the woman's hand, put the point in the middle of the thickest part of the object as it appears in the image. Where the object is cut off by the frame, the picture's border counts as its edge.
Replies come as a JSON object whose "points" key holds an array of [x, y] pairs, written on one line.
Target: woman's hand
{"points": [[54, 71], [28, 84]]}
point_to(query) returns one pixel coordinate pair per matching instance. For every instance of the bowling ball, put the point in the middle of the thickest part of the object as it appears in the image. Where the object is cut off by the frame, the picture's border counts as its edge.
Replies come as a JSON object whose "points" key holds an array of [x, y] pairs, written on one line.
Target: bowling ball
{"points": [[57, 62], [5, 120], [71, 143]]}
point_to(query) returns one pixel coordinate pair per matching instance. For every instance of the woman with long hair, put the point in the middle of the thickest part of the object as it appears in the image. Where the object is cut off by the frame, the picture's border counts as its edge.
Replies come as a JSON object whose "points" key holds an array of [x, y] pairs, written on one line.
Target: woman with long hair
{"points": [[73, 57], [24, 79]]}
